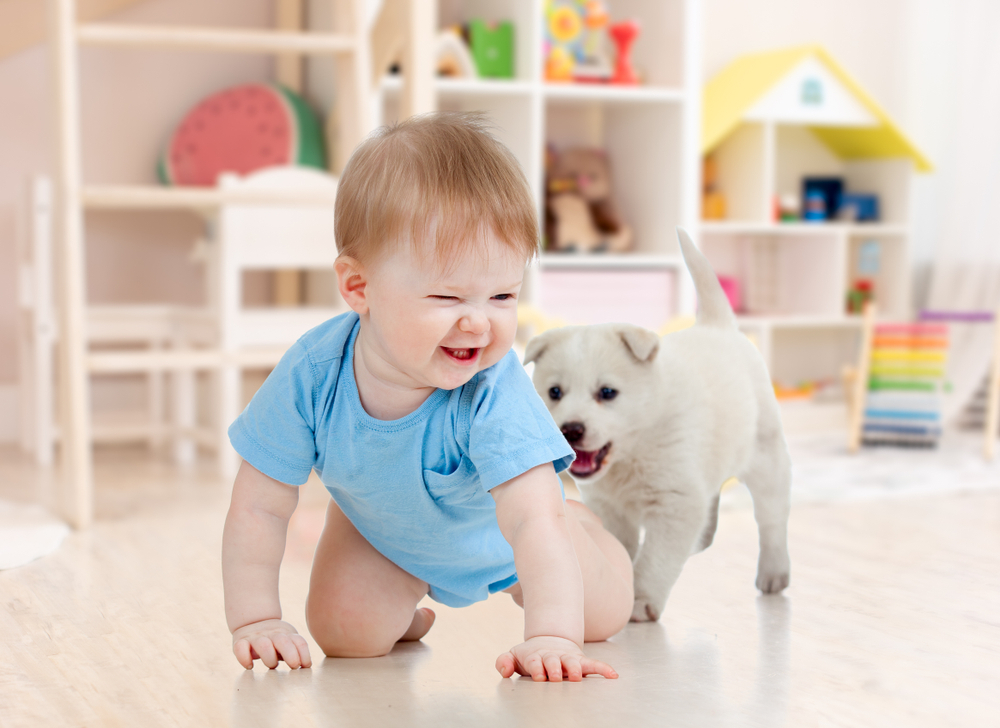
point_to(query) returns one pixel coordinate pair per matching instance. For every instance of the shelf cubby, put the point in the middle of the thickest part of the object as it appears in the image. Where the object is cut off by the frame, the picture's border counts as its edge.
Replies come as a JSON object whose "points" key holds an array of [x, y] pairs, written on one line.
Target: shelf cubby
{"points": [[647, 131]]}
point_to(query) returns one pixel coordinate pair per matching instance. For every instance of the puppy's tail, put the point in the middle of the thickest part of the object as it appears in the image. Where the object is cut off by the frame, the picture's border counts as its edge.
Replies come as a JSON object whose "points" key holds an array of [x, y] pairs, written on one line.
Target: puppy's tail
{"points": [[713, 306]]}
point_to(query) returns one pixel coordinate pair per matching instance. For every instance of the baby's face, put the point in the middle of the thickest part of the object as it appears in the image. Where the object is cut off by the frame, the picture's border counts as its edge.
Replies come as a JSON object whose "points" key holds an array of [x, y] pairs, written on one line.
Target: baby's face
{"points": [[438, 325]]}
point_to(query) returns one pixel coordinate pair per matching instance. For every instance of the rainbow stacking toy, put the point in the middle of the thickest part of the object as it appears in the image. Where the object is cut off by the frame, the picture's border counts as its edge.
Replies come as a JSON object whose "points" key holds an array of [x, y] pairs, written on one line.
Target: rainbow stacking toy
{"points": [[905, 378]]}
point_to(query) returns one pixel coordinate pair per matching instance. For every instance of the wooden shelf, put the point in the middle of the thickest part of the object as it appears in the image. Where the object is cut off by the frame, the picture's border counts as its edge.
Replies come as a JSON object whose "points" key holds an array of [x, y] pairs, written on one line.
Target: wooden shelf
{"points": [[153, 197], [727, 227], [792, 321], [571, 92], [211, 39], [607, 93], [466, 86], [611, 261], [181, 359]]}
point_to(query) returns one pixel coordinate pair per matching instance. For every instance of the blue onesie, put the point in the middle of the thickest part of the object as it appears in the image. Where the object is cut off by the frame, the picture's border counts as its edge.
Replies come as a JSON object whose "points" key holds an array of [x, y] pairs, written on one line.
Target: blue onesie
{"points": [[416, 487]]}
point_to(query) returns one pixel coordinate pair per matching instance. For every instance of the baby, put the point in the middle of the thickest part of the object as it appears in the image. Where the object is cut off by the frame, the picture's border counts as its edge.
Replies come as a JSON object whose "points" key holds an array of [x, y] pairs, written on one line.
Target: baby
{"points": [[441, 459]]}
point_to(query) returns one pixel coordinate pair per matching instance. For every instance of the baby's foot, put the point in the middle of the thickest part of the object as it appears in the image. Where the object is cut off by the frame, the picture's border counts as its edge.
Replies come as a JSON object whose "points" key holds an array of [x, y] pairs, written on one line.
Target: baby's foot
{"points": [[423, 619]]}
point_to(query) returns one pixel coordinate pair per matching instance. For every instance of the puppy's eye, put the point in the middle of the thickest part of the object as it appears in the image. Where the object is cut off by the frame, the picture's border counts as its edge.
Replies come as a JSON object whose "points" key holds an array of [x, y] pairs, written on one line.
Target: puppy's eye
{"points": [[607, 393], [555, 393]]}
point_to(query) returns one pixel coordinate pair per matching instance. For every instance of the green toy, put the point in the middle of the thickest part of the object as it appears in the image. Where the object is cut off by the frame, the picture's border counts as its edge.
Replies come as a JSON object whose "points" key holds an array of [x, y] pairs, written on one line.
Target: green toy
{"points": [[242, 129], [492, 48]]}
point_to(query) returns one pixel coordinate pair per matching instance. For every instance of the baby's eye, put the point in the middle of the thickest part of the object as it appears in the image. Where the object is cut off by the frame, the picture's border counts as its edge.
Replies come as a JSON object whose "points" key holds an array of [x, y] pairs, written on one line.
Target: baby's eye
{"points": [[555, 393], [607, 393], [503, 296], [446, 298]]}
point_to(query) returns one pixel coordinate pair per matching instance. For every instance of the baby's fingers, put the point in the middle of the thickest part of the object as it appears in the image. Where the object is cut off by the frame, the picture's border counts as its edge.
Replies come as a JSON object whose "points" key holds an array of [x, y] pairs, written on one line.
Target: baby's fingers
{"points": [[596, 667], [505, 664], [534, 667], [242, 651], [265, 651], [287, 650], [574, 671], [553, 667], [305, 660]]}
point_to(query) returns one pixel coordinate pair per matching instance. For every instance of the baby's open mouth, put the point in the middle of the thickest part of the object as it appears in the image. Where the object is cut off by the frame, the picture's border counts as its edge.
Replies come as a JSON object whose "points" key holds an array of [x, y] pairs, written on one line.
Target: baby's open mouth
{"points": [[462, 355], [588, 462]]}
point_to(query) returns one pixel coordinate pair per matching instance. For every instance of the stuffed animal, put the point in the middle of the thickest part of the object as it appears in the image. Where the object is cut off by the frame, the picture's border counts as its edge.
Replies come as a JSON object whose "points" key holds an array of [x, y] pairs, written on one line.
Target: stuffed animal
{"points": [[580, 211], [574, 229]]}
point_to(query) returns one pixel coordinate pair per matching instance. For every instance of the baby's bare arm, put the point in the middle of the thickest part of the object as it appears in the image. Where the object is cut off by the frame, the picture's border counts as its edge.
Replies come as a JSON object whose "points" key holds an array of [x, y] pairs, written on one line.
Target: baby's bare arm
{"points": [[253, 543], [533, 519]]}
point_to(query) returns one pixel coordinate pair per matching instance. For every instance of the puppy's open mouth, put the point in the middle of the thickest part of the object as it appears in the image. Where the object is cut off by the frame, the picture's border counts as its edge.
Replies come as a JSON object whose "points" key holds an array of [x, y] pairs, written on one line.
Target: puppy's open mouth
{"points": [[588, 462]]}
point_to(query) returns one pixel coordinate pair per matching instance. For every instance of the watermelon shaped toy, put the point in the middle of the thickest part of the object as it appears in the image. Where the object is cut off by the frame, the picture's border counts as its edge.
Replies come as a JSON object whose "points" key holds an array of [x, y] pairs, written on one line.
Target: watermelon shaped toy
{"points": [[240, 130]]}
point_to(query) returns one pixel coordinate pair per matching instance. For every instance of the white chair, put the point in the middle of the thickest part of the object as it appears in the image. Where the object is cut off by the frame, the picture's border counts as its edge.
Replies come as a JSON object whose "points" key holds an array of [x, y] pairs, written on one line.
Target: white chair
{"points": [[266, 237], [148, 328]]}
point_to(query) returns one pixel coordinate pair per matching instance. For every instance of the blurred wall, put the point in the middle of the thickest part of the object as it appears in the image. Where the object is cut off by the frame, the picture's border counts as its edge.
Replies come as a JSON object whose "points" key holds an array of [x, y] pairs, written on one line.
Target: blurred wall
{"points": [[868, 37]]}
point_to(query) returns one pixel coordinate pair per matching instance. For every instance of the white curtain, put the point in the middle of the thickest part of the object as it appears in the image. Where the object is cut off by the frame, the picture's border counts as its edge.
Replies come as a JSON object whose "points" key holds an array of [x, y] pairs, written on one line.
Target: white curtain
{"points": [[966, 272]]}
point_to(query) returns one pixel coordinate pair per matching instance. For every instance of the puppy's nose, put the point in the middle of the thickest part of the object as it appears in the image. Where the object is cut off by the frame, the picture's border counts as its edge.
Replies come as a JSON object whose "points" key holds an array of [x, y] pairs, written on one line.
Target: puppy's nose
{"points": [[573, 431]]}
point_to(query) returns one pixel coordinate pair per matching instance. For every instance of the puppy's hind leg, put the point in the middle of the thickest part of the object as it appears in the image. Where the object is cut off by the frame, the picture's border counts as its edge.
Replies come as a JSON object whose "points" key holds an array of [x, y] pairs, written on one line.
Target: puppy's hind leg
{"points": [[769, 480], [673, 525]]}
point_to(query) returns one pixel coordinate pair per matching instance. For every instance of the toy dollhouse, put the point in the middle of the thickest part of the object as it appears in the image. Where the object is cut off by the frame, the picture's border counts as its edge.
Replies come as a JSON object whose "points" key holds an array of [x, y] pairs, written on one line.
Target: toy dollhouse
{"points": [[791, 139]]}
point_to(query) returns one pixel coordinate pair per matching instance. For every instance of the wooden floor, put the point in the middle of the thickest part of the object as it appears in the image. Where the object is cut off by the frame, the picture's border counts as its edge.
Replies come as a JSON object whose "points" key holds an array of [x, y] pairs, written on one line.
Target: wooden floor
{"points": [[893, 618]]}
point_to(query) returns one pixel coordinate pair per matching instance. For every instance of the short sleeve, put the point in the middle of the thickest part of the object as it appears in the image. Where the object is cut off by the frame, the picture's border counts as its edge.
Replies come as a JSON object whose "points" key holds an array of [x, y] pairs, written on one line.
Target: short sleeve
{"points": [[510, 430], [275, 433]]}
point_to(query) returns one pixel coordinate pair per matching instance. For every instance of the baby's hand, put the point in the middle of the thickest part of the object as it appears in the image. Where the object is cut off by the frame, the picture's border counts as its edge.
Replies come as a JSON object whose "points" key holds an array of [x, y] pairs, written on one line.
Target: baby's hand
{"points": [[551, 657], [270, 641]]}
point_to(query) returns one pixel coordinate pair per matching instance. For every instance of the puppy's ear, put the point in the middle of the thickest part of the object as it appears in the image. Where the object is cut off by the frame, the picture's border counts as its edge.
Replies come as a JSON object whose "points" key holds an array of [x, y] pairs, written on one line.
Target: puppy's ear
{"points": [[641, 343], [536, 346]]}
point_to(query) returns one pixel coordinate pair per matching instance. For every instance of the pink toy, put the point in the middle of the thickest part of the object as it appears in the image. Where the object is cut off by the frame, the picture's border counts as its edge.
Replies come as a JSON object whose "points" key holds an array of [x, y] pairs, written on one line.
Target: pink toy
{"points": [[731, 287], [242, 129], [624, 34]]}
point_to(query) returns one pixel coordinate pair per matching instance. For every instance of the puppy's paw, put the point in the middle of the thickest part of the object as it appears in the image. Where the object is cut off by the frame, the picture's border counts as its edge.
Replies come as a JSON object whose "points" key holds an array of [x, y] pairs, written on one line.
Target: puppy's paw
{"points": [[772, 583], [644, 611]]}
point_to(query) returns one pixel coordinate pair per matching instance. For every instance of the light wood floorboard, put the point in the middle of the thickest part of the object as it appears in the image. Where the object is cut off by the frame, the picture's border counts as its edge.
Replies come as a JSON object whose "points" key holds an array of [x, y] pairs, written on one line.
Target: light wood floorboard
{"points": [[893, 618]]}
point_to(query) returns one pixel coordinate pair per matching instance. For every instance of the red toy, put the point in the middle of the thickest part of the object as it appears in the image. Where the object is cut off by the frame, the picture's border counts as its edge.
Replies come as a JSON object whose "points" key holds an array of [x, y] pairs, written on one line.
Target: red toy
{"points": [[242, 129], [624, 34]]}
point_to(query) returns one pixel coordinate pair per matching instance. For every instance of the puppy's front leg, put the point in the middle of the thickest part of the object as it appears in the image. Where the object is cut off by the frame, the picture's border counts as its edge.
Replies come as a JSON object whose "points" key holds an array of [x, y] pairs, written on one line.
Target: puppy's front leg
{"points": [[672, 526], [619, 520]]}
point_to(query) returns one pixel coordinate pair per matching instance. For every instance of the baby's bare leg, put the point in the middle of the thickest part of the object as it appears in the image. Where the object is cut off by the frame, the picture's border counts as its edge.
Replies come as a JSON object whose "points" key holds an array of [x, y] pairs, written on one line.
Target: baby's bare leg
{"points": [[360, 603], [607, 575]]}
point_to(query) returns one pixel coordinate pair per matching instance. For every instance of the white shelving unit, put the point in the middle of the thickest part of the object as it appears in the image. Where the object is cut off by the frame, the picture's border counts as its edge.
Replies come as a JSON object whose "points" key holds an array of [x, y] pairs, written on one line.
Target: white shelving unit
{"points": [[650, 133], [348, 42], [798, 115], [794, 281]]}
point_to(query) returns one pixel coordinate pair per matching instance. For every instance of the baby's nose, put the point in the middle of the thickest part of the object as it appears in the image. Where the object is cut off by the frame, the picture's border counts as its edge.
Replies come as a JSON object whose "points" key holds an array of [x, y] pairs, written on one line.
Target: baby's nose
{"points": [[474, 322]]}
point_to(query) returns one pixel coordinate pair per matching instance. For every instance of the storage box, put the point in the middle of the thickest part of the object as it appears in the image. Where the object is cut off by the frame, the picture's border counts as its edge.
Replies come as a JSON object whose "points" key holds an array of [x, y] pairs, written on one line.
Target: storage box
{"points": [[641, 297]]}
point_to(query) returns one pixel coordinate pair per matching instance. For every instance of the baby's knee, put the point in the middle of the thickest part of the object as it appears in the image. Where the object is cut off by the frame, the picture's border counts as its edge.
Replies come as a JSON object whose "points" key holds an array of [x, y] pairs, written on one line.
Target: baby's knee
{"points": [[349, 630], [609, 609], [610, 617], [583, 514]]}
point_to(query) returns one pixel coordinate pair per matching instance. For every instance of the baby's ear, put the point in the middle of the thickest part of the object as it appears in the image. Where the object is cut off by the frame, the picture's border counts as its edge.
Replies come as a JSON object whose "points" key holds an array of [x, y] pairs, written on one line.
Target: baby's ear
{"points": [[352, 281]]}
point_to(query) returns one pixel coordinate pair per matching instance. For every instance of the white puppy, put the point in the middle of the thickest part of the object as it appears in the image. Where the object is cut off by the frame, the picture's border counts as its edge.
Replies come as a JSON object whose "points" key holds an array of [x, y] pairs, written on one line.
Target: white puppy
{"points": [[658, 425]]}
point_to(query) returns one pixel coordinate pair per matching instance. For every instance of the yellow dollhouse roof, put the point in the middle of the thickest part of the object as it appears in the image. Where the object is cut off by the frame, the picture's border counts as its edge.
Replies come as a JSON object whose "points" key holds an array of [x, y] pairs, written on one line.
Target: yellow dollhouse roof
{"points": [[867, 132]]}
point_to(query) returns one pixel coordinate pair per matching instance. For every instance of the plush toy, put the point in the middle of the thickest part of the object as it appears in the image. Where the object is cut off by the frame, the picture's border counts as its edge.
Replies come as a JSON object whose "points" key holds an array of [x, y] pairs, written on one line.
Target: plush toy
{"points": [[574, 230], [580, 212], [242, 129]]}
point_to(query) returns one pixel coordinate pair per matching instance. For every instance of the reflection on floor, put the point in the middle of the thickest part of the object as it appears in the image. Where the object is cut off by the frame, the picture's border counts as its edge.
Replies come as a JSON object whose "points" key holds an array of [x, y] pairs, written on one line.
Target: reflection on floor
{"points": [[891, 618]]}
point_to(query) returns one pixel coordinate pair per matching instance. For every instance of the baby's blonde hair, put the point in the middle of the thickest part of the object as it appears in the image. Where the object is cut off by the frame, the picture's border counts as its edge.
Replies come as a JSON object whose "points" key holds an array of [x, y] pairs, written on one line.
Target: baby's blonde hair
{"points": [[441, 178]]}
